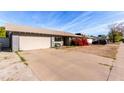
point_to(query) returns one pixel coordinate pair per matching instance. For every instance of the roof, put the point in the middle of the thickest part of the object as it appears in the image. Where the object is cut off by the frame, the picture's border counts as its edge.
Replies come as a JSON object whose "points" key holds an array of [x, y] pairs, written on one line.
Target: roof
{"points": [[27, 29]]}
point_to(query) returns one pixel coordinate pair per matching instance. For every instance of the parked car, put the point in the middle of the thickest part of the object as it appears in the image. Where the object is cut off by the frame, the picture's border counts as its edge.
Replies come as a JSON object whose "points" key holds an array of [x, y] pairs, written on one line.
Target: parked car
{"points": [[95, 42], [100, 41]]}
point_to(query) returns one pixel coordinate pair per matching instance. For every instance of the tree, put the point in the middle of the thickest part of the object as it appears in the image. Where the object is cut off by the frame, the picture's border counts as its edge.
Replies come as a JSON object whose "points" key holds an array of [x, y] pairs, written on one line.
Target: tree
{"points": [[116, 32], [102, 36]]}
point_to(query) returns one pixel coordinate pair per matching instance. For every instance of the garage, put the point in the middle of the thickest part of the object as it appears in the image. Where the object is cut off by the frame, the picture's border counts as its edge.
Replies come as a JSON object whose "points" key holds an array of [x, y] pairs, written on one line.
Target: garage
{"points": [[30, 42]]}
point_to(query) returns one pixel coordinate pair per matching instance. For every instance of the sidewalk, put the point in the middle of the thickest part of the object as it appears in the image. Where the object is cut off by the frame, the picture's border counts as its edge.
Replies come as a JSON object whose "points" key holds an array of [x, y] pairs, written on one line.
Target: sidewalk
{"points": [[117, 72]]}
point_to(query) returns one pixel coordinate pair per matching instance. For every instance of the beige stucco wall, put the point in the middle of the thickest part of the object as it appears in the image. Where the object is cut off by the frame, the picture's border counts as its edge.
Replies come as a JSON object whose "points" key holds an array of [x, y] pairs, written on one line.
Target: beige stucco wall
{"points": [[31, 42], [15, 42]]}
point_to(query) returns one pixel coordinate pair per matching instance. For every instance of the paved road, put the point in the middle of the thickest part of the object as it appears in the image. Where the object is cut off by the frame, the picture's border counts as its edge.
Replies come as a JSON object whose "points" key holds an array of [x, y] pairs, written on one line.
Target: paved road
{"points": [[117, 72]]}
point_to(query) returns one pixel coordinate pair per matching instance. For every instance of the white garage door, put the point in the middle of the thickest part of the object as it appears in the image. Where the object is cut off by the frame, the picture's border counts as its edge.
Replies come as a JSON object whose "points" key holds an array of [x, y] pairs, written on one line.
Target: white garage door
{"points": [[30, 42]]}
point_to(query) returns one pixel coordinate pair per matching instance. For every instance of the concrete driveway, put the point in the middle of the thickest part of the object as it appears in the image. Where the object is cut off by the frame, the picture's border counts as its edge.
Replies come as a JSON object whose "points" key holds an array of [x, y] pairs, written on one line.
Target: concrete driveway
{"points": [[58, 64]]}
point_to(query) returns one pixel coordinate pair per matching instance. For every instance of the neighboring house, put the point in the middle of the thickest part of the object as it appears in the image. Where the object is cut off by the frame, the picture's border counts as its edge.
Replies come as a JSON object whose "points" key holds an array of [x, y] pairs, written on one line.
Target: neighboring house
{"points": [[28, 38], [89, 40]]}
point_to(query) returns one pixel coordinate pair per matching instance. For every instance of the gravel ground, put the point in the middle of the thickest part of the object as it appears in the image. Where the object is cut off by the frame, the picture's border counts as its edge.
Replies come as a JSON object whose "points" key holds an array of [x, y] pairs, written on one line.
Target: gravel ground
{"points": [[12, 69]]}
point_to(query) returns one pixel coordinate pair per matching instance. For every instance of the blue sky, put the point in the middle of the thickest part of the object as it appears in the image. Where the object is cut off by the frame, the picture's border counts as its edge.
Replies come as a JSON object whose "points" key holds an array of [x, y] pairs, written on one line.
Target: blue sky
{"points": [[91, 22]]}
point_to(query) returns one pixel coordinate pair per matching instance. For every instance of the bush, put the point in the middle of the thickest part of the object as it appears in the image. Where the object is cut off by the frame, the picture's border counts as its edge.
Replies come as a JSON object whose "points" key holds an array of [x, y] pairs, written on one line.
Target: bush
{"points": [[79, 42], [122, 40]]}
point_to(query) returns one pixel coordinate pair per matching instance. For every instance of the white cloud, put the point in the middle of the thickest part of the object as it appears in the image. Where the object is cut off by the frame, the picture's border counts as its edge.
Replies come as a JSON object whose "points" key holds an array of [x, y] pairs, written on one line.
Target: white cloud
{"points": [[78, 21]]}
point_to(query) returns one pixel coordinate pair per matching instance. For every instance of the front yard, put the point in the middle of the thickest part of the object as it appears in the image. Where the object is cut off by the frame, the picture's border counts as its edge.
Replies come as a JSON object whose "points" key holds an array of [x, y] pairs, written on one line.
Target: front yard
{"points": [[109, 50], [73, 63]]}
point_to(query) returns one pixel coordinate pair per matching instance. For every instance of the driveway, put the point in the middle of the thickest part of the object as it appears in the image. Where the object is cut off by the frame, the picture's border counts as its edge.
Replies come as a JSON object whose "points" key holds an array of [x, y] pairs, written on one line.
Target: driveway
{"points": [[60, 64]]}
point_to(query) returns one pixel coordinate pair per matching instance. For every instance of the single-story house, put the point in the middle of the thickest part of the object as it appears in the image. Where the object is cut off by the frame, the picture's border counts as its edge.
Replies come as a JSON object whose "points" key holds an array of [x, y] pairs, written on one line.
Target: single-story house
{"points": [[28, 38]]}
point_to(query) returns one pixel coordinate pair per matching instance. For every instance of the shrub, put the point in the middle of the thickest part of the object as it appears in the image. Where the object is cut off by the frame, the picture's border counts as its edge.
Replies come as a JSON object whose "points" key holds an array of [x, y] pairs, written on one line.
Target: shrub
{"points": [[79, 42]]}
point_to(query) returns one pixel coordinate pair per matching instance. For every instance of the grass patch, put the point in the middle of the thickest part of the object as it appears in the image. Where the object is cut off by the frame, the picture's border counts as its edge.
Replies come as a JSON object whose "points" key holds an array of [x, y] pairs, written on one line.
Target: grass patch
{"points": [[20, 51], [25, 63], [111, 68], [114, 58], [5, 58], [105, 64], [22, 58]]}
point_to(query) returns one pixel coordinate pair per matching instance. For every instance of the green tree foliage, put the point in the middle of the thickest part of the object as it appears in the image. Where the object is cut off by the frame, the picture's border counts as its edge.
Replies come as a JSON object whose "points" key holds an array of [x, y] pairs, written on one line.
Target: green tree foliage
{"points": [[2, 32], [116, 32]]}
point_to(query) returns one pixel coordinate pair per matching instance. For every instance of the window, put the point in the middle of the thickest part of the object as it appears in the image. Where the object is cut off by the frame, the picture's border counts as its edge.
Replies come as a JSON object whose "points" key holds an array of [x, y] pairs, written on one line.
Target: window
{"points": [[58, 39]]}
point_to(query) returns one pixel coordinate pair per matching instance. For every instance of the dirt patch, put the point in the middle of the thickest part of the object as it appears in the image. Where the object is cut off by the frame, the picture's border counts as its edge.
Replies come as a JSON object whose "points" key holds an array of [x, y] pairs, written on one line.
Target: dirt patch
{"points": [[12, 69], [109, 50]]}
